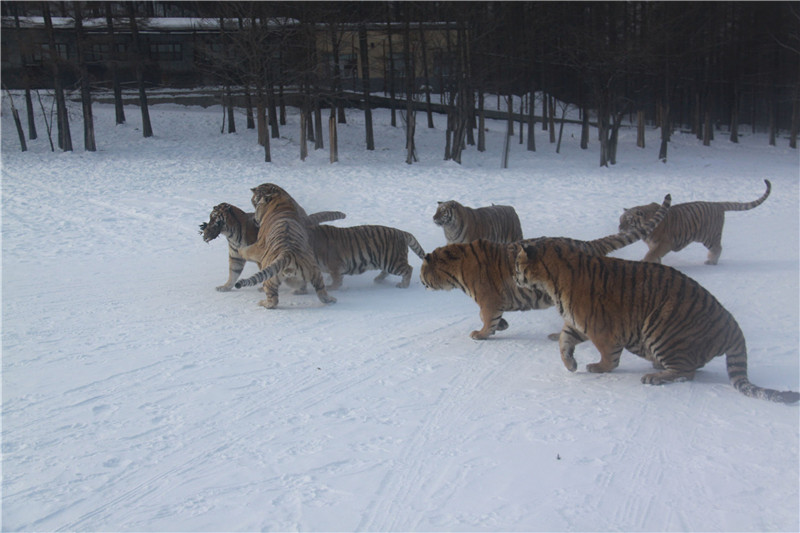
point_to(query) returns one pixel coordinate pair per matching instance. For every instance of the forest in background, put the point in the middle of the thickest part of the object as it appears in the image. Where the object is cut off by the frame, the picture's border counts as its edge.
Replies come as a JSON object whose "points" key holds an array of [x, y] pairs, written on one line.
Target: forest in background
{"points": [[704, 67]]}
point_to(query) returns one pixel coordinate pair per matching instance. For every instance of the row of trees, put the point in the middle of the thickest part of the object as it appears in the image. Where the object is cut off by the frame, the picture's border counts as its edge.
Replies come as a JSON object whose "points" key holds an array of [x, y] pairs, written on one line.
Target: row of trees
{"points": [[705, 67]]}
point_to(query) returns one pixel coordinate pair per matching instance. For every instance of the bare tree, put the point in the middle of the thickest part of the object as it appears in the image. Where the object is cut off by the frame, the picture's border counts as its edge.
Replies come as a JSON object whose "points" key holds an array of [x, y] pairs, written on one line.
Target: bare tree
{"points": [[365, 83], [119, 109], [86, 93], [62, 117], [138, 58]]}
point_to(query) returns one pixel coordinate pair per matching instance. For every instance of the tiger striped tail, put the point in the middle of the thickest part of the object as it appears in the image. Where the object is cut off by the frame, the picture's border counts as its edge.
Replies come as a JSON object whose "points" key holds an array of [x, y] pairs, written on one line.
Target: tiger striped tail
{"points": [[271, 270], [606, 245], [325, 216], [412, 243], [744, 206], [737, 373]]}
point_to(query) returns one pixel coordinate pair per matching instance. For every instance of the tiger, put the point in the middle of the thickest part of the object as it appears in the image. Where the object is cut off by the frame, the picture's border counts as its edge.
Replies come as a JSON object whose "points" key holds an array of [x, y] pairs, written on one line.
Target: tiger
{"points": [[462, 224], [357, 249], [282, 248], [241, 231], [686, 223], [652, 310], [484, 270]]}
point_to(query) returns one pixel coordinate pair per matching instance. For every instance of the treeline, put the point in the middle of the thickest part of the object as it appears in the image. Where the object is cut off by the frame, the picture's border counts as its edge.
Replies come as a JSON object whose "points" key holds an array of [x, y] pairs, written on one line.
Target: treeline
{"points": [[703, 67]]}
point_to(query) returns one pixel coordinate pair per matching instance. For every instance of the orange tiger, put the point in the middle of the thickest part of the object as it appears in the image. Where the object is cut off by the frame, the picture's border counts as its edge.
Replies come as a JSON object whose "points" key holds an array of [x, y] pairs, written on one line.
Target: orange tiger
{"points": [[282, 248], [652, 310], [497, 223], [686, 223], [484, 270], [241, 231]]}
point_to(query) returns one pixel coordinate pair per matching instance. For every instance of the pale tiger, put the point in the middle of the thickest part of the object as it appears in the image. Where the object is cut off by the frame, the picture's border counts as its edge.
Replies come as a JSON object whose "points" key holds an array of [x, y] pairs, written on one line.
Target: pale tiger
{"points": [[484, 270], [357, 249], [496, 223], [652, 310], [686, 223], [241, 231], [282, 247]]}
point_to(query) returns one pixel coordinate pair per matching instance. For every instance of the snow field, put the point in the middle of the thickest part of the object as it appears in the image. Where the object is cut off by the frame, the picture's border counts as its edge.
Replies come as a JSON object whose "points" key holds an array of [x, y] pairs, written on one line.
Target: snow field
{"points": [[136, 397]]}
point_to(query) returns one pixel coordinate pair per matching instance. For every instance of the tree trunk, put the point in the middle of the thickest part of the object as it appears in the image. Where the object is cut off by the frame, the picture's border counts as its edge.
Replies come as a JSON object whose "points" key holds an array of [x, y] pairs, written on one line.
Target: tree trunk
{"points": [[303, 135], [561, 127], [29, 108], [411, 118], [640, 129], [333, 139], [531, 124], [481, 124], [147, 128], [585, 129], [795, 119], [28, 100], [119, 109], [392, 101], [17, 122], [735, 117], [319, 144], [248, 104], [64, 136], [86, 93], [552, 115], [364, 50], [665, 135], [229, 108], [428, 109]]}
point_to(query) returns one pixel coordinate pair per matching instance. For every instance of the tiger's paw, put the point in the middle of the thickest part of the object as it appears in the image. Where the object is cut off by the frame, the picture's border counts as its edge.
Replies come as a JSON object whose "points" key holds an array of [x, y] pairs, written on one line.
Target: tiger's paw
{"points": [[327, 299], [269, 304], [597, 368], [659, 378], [479, 335], [570, 363]]}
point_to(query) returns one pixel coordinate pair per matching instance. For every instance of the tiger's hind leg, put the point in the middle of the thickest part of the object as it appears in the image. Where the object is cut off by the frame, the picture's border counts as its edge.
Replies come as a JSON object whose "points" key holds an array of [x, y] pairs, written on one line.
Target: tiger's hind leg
{"points": [[336, 280], [567, 340], [319, 286], [610, 353], [714, 250], [382, 276], [404, 271], [271, 292]]}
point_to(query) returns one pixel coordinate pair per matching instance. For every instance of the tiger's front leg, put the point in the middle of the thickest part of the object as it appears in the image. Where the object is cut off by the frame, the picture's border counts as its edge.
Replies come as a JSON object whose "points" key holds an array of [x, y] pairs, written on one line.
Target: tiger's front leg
{"points": [[656, 252], [567, 340], [492, 318], [235, 267]]}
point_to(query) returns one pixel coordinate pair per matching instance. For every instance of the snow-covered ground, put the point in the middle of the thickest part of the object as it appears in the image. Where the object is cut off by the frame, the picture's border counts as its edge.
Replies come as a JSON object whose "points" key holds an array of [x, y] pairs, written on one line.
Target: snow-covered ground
{"points": [[136, 397]]}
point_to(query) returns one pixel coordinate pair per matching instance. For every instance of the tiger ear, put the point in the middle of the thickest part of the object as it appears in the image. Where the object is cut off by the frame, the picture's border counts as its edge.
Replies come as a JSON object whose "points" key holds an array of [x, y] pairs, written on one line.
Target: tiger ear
{"points": [[530, 252]]}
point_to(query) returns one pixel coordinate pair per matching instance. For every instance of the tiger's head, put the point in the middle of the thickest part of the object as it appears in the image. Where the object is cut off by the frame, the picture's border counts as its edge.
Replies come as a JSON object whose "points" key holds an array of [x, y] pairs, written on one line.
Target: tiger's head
{"points": [[441, 269], [446, 213], [270, 197], [528, 269], [635, 218], [217, 222]]}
